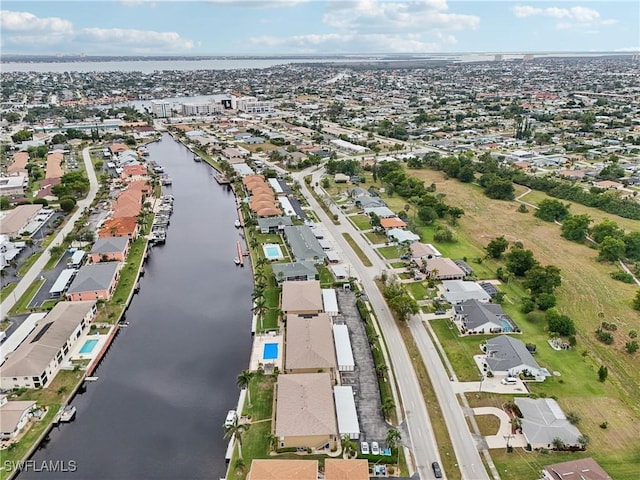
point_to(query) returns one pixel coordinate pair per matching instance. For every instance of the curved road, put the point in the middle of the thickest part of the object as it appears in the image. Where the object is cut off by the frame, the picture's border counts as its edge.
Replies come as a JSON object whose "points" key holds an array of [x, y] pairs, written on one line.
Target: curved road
{"points": [[34, 272], [419, 425]]}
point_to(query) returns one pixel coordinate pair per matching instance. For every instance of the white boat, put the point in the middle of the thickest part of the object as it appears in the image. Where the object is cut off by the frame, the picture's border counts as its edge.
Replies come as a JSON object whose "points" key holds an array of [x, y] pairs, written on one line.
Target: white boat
{"points": [[68, 413], [236, 260], [237, 223]]}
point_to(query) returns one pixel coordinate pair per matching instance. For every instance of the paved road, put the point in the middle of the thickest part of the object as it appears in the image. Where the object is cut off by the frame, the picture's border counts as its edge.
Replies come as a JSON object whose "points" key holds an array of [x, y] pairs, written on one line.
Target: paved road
{"points": [[420, 429], [38, 266], [421, 435]]}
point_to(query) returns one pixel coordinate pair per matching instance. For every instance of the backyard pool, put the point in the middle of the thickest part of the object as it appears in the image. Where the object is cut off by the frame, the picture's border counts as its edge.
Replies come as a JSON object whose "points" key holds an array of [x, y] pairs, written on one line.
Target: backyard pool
{"points": [[270, 351], [88, 346], [272, 251]]}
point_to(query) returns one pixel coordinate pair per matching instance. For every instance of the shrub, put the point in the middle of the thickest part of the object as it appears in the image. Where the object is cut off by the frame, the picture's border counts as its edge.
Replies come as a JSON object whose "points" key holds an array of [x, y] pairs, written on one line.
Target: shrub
{"points": [[609, 326], [604, 337], [604, 425], [623, 277], [573, 418], [633, 334], [631, 346]]}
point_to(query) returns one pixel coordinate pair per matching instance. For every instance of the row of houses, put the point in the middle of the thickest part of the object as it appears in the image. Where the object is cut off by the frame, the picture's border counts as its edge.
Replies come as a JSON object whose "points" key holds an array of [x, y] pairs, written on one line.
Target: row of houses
{"points": [[312, 409]]}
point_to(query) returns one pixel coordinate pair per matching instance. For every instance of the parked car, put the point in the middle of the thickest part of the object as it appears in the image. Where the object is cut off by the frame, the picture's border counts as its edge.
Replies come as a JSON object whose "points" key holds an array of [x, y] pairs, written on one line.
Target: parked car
{"points": [[375, 448], [436, 470], [509, 381], [364, 448]]}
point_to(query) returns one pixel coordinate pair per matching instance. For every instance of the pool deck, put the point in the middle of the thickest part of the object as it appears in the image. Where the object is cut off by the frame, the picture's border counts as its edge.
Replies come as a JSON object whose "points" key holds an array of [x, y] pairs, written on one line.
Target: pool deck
{"points": [[75, 351], [270, 257], [258, 349]]}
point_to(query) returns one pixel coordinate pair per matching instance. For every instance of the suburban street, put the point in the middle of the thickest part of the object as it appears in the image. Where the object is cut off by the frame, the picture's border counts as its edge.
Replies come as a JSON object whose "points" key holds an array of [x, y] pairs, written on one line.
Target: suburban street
{"points": [[418, 422], [34, 271]]}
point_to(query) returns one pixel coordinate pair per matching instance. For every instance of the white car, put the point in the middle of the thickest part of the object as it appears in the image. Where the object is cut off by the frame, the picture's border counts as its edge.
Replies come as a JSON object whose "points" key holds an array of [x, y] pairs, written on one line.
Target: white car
{"points": [[509, 381], [364, 448], [375, 449]]}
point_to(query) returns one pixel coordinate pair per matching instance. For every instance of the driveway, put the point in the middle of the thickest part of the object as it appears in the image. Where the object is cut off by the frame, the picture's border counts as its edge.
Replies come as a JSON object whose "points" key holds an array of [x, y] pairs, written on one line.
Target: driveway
{"points": [[499, 440], [373, 427]]}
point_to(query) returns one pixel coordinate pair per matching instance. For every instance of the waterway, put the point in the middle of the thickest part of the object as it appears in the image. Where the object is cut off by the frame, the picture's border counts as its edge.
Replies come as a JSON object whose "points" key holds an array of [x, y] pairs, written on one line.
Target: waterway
{"points": [[169, 379]]}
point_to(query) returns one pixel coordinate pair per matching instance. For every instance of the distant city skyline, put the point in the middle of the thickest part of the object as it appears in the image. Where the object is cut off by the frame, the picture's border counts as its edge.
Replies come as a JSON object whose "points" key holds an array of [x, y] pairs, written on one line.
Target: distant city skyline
{"points": [[306, 27]]}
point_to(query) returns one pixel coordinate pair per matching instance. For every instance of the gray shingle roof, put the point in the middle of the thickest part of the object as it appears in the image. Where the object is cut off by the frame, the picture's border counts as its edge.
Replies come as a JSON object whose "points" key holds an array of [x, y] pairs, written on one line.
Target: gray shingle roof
{"points": [[295, 269], [543, 420], [505, 352], [477, 313], [110, 245], [304, 245], [95, 277]]}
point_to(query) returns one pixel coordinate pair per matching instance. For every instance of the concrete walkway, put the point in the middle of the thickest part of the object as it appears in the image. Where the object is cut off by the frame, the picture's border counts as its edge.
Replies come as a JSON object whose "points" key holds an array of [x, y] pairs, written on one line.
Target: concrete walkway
{"points": [[504, 434]]}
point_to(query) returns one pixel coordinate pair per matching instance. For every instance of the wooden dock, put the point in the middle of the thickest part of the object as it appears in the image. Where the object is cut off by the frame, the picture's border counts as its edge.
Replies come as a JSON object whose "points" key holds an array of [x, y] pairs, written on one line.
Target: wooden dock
{"points": [[240, 256]]}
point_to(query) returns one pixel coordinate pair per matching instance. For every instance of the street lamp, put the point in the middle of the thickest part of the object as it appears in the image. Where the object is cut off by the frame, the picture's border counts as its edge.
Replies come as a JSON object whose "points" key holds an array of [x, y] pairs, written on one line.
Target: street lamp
{"points": [[481, 380]]}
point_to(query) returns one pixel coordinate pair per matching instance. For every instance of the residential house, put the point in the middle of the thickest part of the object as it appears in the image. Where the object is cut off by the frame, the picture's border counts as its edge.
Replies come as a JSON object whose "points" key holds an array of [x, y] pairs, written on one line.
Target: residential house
{"points": [[118, 148], [543, 421], [388, 223], [18, 163], [442, 268], [580, 469], [93, 282], [346, 469], [275, 469], [506, 355], [474, 316], [309, 345], [14, 221], [14, 416], [126, 227], [381, 212], [401, 236], [420, 251], [303, 243], [274, 224], [15, 185], [109, 249], [458, 291], [54, 168], [288, 272], [37, 360], [302, 297], [132, 173], [305, 412]]}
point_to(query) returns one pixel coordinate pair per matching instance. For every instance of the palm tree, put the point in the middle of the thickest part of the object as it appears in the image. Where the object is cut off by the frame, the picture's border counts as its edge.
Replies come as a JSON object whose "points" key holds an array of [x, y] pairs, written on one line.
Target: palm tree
{"points": [[583, 441], [557, 443], [240, 466], [387, 406], [260, 277], [260, 309], [243, 381], [348, 447], [235, 429], [261, 262], [273, 441], [381, 369], [393, 437]]}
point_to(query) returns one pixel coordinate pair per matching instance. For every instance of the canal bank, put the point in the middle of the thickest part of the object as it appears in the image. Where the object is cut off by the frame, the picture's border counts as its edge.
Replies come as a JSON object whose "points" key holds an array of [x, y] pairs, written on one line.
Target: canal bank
{"points": [[168, 381]]}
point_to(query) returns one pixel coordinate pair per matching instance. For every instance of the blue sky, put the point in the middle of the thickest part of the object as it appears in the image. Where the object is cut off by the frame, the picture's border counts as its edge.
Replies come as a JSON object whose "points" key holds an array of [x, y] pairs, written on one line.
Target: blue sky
{"points": [[263, 27]]}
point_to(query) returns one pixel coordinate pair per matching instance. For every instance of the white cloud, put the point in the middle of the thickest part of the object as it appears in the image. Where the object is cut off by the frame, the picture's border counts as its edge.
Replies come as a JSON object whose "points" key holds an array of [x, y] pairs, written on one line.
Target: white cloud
{"points": [[138, 41], [411, 26], [258, 3], [26, 30], [582, 19], [26, 22]]}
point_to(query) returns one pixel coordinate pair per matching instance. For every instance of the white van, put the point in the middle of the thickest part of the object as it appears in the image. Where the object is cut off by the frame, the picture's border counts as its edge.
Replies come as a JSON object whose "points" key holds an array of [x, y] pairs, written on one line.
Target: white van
{"points": [[509, 381]]}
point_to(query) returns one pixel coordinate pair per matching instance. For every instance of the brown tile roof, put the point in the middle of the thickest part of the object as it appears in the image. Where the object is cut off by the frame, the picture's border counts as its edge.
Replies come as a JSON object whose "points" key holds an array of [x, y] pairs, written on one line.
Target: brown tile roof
{"points": [[133, 170], [304, 405], [118, 147], [54, 170], [340, 469], [20, 160], [128, 204], [309, 343], [269, 212], [301, 296], [283, 470], [119, 227], [583, 469], [392, 222]]}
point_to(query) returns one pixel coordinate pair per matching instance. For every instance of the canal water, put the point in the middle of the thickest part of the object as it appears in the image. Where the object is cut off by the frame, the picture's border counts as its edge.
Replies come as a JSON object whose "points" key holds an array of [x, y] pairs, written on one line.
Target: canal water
{"points": [[169, 378]]}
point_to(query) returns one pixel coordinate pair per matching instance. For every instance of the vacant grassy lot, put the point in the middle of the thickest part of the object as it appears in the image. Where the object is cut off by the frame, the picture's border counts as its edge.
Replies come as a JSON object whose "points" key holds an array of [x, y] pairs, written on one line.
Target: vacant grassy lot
{"points": [[390, 252], [361, 221], [588, 295]]}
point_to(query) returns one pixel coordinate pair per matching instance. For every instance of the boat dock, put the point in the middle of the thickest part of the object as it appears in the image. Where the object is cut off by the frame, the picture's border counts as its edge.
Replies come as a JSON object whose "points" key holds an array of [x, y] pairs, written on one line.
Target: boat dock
{"points": [[65, 415], [222, 179], [240, 257]]}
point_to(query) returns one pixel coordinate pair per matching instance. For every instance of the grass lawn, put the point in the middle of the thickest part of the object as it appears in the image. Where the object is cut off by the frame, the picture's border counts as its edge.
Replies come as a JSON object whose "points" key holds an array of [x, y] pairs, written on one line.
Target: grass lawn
{"points": [[391, 251], [28, 264], [358, 251], [326, 279], [488, 424], [376, 238], [54, 258], [361, 221], [459, 350], [23, 302], [417, 290], [398, 265], [6, 291]]}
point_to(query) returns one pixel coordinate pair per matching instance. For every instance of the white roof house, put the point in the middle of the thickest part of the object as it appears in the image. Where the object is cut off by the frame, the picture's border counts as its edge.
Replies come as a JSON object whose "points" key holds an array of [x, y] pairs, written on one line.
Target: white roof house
{"points": [[402, 236], [543, 421], [344, 352], [457, 291], [346, 412], [330, 301]]}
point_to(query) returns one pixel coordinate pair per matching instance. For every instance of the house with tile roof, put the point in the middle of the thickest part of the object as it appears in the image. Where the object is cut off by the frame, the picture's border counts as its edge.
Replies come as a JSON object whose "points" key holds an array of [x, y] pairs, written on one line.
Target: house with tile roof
{"points": [[109, 249], [305, 411], [276, 469], [302, 297], [120, 227], [309, 344]]}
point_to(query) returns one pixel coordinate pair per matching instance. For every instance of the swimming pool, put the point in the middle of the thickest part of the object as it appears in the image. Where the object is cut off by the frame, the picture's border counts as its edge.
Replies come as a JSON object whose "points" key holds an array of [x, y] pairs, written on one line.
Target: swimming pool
{"points": [[506, 325], [88, 346], [270, 351], [272, 251]]}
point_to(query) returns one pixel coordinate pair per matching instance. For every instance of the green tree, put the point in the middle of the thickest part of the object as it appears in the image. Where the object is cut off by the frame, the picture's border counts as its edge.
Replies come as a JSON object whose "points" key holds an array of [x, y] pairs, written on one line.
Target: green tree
{"points": [[67, 204], [541, 279], [575, 227], [557, 443], [497, 247], [393, 438], [22, 136], [427, 215], [636, 301], [244, 381], [603, 373], [5, 203], [519, 261], [546, 301], [632, 245], [604, 229], [236, 429], [560, 324], [631, 346], [551, 210], [611, 249], [388, 405]]}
